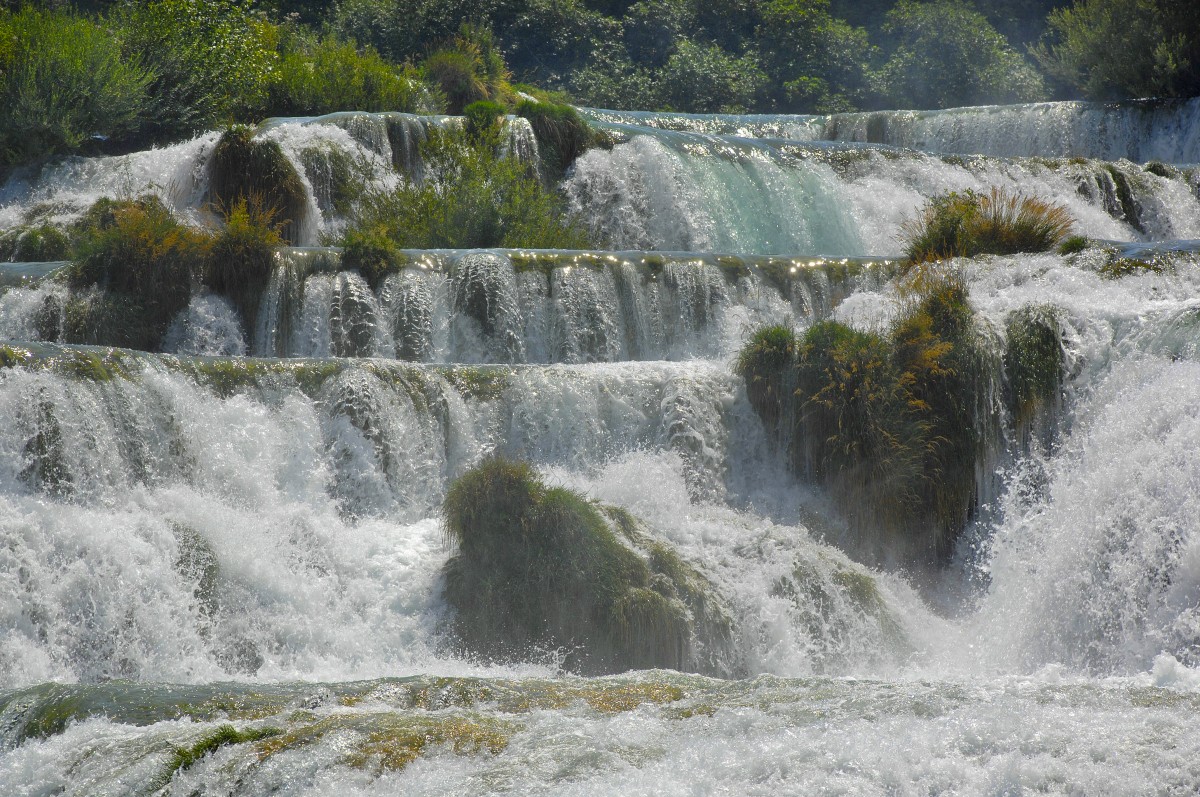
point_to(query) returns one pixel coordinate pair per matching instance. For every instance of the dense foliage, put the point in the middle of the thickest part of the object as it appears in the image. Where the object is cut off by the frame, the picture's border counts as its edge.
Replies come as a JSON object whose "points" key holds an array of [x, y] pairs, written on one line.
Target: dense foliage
{"points": [[893, 424], [109, 75]]}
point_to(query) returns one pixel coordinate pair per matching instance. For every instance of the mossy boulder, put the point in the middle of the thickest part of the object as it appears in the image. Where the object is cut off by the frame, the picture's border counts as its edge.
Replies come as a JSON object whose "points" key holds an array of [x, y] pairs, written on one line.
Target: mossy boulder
{"points": [[144, 263], [542, 568], [1034, 362], [244, 168], [561, 133]]}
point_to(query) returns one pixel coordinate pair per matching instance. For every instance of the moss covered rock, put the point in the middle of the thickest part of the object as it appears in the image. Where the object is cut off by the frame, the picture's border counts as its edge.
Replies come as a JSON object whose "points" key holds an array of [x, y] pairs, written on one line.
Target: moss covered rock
{"points": [[248, 169], [543, 568]]}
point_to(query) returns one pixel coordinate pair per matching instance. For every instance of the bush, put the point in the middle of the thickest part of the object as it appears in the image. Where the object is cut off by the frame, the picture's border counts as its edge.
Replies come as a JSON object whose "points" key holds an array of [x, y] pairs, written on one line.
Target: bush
{"points": [[327, 75], [968, 224], [1073, 244], [35, 244], [470, 69], [213, 61], [946, 54], [242, 255], [145, 261], [540, 567], [766, 362], [372, 252], [65, 86], [248, 169], [890, 424], [471, 198], [484, 121]]}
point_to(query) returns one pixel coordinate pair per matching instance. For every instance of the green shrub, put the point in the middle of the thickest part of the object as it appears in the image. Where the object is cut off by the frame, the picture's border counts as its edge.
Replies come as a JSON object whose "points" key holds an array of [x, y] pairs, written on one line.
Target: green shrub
{"points": [[371, 252], [968, 224], [64, 85], [539, 567], [248, 169], [484, 121], [38, 243], [767, 363], [145, 261], [242, 255], [892, 425], [561, 133], [471, 198], [327, 75], [468, 70], [212, 60]]}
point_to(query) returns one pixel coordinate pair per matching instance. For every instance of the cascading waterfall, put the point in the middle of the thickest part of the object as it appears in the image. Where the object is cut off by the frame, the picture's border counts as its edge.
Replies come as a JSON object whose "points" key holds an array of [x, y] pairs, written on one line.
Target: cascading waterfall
{"points": [[1155, 130], [244, 553]]}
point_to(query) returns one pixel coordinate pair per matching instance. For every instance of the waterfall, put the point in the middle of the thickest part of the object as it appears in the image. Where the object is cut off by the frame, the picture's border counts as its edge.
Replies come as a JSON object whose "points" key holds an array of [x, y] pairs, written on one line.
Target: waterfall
{"points": [[224, 566]]}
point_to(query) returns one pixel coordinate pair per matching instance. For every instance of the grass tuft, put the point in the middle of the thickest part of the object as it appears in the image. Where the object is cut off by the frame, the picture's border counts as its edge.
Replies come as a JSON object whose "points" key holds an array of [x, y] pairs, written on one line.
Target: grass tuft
{"points": [[966, 224]]}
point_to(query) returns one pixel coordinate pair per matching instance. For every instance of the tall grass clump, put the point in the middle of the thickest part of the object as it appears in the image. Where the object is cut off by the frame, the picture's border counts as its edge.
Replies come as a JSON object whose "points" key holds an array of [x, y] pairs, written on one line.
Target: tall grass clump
{"points": [[966, 224], [245, 168], [64, 85], [891, 423], [561, 133], [538, 567], [468, 69], [242, 255], [471, 197]]}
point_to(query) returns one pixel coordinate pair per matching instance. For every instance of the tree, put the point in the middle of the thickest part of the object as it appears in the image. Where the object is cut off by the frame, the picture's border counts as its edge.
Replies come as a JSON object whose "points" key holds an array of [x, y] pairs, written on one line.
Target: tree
{"points": [[817, 63], [945, 54], [1112, 49]]}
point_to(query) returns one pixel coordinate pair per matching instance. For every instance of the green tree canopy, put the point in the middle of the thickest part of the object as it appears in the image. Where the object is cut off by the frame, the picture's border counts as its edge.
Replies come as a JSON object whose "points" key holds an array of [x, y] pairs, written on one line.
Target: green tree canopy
{"points": [[1113, 49], [944, 54]]}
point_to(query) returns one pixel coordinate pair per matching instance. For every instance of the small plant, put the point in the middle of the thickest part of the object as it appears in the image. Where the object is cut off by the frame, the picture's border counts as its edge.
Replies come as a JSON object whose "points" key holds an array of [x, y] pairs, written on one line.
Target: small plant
{"points": [[484, 121], [186, 757], [242, 255], [1130, 266], [967, 224], [1073, 244], [372, 252]]}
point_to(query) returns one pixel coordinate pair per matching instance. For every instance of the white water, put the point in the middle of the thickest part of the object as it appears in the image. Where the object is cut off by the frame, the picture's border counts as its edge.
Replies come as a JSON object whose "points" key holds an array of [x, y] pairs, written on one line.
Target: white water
{"points": [[262, 545], [1167, 131]]}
